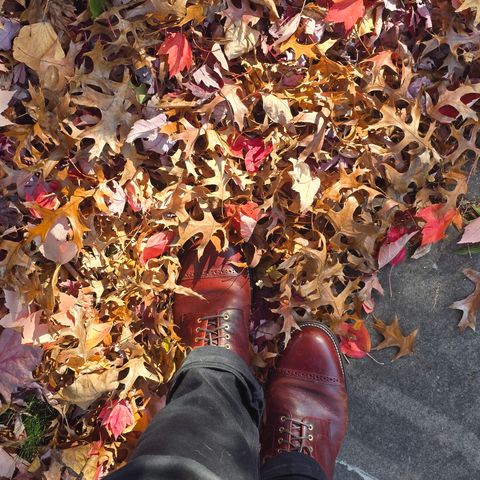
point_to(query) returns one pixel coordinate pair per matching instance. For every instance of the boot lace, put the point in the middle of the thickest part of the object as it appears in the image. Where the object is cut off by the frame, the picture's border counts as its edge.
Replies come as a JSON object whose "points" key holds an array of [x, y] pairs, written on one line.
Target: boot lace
{"points": [[214, 330], [294, 435]]}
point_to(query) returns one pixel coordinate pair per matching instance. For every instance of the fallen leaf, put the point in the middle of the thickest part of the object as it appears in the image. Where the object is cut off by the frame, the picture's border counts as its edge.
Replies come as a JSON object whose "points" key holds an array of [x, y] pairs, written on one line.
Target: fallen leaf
{"points": [[365, 294], [393, 337], [16, 363], [473, 5], [116, 417], [354, 339], [89, 387], [56, 247], [304, 183], [277, 109], [5, 97], [254, 150], [472, 232], [346, 12], [243, 218], [7, 465], [469, 305], [178, 51], [389, 252], [156, 246], [437, 222]]}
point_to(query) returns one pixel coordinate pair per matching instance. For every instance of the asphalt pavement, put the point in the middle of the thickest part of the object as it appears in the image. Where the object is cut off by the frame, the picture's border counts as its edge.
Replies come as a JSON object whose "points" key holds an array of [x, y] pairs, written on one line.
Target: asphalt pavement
{"points": [[419, 417]]}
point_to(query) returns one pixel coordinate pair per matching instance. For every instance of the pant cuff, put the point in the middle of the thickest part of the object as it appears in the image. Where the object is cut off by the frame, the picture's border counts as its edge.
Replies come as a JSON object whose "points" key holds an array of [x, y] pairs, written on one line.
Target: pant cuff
{"points": [[292, 465], [221, 359]]}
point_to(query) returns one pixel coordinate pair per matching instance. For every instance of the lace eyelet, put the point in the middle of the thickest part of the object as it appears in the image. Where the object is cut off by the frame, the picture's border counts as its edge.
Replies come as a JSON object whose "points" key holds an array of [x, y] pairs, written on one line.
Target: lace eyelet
{"points": [[227, 346], [280, 441], [310, 449], [197, 330], [310, 437], [227, 336], [283, 418], [226, 327], [281, 429], [310, 427], [226, 316], [199, 320]]}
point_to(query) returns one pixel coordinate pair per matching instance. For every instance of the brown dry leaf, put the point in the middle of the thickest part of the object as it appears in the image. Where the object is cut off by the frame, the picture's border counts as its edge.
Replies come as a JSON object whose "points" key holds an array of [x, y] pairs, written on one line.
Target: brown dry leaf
{"points": [[89, 387], [393, 337], [469, 305]]}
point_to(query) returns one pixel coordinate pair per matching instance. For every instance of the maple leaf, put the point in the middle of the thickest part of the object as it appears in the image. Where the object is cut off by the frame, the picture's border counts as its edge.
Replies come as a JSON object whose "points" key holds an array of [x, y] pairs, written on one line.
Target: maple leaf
{"points": [[156, 246], [437, 222], [178, 51], [469, 305], [16, 363], [346, 12], [254, 149], [354, 339], [116, 417], [393, 337]]}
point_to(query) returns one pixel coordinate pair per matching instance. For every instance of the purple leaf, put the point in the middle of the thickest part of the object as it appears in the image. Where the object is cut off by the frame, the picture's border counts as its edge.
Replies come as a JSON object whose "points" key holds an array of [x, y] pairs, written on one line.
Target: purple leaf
{"points": [[8, 31]]}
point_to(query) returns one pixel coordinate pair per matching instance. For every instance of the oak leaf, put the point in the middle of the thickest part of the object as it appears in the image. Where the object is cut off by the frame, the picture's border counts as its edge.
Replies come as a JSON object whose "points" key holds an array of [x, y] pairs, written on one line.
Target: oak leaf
{"points": [[471, 4], [178, 51], [393, 337], [469, 305], [16, 363]]}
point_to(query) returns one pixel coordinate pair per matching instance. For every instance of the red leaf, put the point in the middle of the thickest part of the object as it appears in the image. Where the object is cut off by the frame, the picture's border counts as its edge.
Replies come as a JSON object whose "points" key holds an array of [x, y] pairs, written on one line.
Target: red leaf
{"points": [[116, 417], [354, 339], [346, 12], [437, 222], [179, 53], [254, 149], [243, 218], [156, 245], [43, 194]]}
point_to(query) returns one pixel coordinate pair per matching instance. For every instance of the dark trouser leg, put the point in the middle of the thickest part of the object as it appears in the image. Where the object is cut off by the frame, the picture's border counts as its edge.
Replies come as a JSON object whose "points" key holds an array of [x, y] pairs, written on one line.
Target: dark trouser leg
{"points": [[209, 427], [292, 466]]}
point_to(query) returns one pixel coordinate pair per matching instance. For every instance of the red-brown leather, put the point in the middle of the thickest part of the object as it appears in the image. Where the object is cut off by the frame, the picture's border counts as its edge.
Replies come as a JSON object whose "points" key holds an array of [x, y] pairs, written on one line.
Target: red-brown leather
{"points": [[227, 293], [308, 386]]}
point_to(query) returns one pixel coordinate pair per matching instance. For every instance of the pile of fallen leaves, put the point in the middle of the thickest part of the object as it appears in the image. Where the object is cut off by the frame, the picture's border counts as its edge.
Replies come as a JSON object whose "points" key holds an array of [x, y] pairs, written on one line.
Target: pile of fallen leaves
{"points": [[323, 137]]}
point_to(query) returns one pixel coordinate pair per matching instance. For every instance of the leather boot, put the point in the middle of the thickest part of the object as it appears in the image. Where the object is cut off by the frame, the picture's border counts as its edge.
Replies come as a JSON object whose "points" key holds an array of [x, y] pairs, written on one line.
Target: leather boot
{"points": [[222, 319], [306, 399]]}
